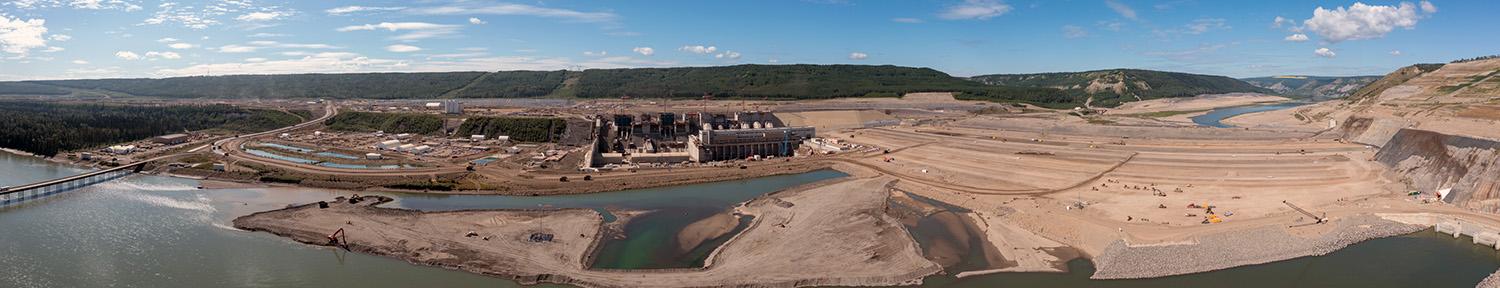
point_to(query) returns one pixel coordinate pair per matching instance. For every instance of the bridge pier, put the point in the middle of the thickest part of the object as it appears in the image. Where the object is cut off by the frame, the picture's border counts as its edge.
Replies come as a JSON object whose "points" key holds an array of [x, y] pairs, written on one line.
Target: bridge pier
{"points": [[23, 193]]}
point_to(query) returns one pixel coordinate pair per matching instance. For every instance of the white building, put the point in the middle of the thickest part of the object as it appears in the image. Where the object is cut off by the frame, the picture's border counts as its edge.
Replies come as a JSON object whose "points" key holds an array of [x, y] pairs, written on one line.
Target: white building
{"points": [[372, 156], [453, 107], [421, 149], [388, 144], [476, 137], [121, 149], [405, 147], [403, 135]]}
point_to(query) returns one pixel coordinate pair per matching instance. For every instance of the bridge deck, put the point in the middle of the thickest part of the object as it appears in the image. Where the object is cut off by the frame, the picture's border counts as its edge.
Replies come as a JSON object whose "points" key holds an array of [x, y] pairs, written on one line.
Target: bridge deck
{"points": [[22, 188]]}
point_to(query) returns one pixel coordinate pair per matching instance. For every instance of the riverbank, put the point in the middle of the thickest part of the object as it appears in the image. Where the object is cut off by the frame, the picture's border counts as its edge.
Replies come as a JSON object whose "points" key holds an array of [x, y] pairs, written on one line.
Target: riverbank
{"points": [[1239, 248], [817, 234]]}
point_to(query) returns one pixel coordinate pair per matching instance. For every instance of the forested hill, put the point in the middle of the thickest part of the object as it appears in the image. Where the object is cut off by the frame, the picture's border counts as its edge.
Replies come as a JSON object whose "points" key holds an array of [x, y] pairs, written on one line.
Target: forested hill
{"points": [[1060, 90], [1315, 87], [1110, 87]]}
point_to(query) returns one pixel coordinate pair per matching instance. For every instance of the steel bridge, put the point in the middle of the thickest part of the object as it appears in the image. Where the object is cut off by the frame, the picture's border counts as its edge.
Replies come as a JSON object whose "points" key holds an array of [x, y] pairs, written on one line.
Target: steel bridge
{"points": [[24, 193]]}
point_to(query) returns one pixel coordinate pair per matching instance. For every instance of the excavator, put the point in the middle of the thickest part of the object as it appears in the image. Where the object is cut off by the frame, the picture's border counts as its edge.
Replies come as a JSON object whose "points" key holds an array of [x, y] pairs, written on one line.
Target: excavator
{"points": [[339, 239], [1318, 219]]}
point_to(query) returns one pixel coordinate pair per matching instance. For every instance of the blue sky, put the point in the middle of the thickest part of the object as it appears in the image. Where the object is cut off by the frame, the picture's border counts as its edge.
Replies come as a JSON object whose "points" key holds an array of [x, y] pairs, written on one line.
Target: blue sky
{"points": [[53, 39]]}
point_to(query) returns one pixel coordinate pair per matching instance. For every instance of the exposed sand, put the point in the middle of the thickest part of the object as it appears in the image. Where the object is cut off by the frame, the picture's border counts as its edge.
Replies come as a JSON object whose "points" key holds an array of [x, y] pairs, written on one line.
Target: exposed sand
{"points": [[832, 120], [831, 234], [1205, 102], [703, 230]]}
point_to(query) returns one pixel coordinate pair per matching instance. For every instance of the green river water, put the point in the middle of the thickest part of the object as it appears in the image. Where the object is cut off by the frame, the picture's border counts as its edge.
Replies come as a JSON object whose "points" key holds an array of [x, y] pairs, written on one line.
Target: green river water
{"points": [[149, 231]]}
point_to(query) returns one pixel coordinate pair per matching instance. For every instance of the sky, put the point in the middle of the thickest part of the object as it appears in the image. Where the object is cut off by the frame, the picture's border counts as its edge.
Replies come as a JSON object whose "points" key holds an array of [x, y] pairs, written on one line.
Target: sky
{"points": [[70, 39]]}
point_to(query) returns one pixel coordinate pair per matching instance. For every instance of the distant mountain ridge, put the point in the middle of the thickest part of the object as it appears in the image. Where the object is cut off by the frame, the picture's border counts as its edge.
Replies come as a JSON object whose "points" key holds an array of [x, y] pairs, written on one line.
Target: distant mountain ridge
{"points": [[1114, 86], [1312, 87], [801, 81]]}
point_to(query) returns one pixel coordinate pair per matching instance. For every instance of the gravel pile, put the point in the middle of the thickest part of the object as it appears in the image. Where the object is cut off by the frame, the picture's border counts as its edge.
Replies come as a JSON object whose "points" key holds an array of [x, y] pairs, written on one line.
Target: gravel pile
{"points": [[1493, 281], [1238, 248]]}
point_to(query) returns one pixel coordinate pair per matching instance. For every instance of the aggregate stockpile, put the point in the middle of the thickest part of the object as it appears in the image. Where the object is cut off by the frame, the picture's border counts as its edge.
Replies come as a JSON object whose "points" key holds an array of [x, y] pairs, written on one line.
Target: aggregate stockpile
{"points": [[1463, 169]]}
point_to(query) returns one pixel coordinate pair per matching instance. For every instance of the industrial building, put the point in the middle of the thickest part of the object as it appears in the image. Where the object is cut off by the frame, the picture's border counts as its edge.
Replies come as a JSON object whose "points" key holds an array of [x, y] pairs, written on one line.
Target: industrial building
{"points": [[757, 140], [173, 139], [453, 107]]}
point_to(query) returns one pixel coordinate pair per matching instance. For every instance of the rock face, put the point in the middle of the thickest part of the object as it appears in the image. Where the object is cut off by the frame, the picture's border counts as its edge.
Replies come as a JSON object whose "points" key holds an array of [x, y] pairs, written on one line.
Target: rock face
{"points": [[1435, 161]]}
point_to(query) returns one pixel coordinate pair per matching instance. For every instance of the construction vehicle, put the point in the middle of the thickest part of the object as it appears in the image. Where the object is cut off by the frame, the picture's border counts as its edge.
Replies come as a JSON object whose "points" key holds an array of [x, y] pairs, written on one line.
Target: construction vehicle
{"points": [[1319, 220], [339, 239]]}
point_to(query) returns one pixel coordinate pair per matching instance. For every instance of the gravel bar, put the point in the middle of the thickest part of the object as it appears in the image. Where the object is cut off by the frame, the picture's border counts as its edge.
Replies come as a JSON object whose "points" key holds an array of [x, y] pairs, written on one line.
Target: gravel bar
{"points": [[1239, 248]]}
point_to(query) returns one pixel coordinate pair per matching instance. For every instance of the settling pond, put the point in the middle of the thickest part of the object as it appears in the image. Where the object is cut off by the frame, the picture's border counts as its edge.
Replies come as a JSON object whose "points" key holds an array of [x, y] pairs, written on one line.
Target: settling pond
{"points": [[149, 231]]}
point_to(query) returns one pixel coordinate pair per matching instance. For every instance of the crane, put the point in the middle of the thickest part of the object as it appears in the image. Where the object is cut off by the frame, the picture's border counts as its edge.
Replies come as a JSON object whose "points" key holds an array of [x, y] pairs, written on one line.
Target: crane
{"points": [[1320, 220]]}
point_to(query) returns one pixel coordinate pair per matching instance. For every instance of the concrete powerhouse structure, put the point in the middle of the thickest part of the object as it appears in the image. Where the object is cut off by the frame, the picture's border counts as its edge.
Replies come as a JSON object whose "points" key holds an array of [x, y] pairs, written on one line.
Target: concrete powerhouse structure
{"points": [[729, 144]]}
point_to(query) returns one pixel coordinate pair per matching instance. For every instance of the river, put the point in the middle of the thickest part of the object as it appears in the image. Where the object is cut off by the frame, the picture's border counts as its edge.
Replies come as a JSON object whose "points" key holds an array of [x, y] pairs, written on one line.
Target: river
{"points": [[151, 231], [1215, 118]]}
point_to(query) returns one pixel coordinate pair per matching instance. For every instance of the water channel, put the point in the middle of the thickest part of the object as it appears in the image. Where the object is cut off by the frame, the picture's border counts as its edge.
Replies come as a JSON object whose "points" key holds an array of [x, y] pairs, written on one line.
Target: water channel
{"points": [[150, 231], [1215, 118]]}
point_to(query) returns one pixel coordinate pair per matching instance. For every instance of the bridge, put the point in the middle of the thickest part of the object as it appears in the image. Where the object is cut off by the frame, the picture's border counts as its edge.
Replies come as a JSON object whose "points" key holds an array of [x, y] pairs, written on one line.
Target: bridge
{"points": [[23, 193], [33, 191]]}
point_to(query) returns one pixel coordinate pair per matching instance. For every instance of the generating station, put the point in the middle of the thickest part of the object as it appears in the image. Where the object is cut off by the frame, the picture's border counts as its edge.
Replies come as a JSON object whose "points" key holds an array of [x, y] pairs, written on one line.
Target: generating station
{"points": [[692, 137]]}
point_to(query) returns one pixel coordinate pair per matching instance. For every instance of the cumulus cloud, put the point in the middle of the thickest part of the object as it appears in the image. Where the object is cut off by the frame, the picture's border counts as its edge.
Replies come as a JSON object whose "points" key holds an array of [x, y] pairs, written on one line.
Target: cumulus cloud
{"points": [[59, 37], [167, 40], [1362, 21], [906, 20], [80, 62], [180, 45], [233, 48], [699, 49], [858, 56], [255, 60], [402, 48], [357, 9], [127, 55], [647, 51], [1324, 52], [975, 10], [1280, 21], [253, 46], [1299, 37], [593, 53], [20, 36], [1121, 8], [1073, 32], [728, 54], [475, 21], [1396, 52], [1428, 8]]}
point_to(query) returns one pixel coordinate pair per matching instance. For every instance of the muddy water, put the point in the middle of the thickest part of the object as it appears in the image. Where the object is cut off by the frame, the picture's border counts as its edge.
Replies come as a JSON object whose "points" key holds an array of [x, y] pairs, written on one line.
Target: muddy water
{"points": [[1216, 117]]}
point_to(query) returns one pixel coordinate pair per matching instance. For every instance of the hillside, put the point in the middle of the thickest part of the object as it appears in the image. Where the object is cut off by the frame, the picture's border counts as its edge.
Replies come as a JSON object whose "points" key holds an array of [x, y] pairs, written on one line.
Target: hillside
{"points": [[1400, 76], [1312, 87], [47, 128], [1057, 90], [1111, 87]]}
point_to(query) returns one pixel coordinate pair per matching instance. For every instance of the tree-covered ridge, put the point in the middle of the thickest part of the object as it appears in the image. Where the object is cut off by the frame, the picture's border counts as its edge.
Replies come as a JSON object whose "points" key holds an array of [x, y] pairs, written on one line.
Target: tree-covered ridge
{"points": [[519, 129], [765, 81], [48, 128], [388, 122], [1315, 87], [1111, 87], [23, 88], [512, 84]]}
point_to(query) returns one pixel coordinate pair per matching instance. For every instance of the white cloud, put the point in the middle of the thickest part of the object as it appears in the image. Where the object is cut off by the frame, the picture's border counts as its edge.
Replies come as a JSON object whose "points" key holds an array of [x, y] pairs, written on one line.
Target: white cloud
{"points": [[1112, 25], [728, 54], [59, 37], [180, 45], [167, 40], [1324, 52], [1395, 52], [1121, 8], [402, 48], [125, 5], [1299, 37], [80, 62], [1279, 21], [233, 48], [592, 53], [356, 9], [699, 49], [351, 62], [476, 21], [517, 9], [975, 9], [1428, 8], [255, 60], [646, 51], [265, 35], [420, 30], [858, 56], [127, 55], [163, 55], [907, 20], [1073, 32], [20, 36], [261, 16], [1199, 26], [51, 49], [1361, 21]]}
